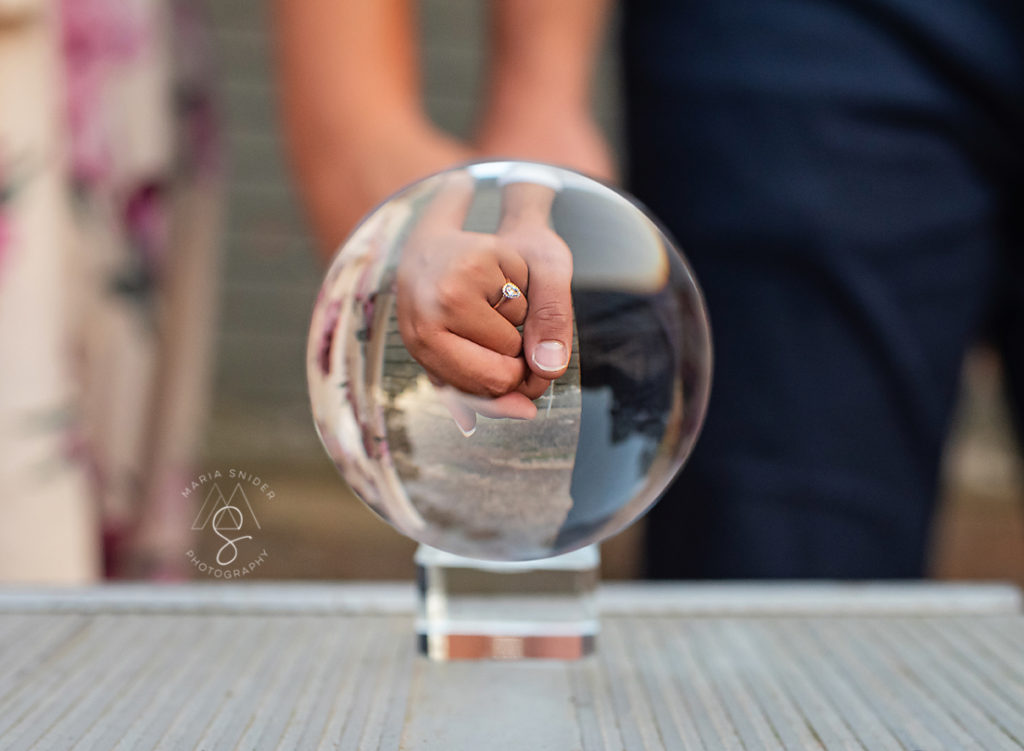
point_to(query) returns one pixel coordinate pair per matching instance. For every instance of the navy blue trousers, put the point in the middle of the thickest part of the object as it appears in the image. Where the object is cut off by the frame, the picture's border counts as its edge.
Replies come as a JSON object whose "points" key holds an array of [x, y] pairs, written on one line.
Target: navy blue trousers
{"points": [[847, 179]]}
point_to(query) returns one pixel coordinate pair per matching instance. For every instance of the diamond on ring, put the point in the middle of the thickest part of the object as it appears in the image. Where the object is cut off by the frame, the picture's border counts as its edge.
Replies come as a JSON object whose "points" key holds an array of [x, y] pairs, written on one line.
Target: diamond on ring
{"points": [[510, 291]]}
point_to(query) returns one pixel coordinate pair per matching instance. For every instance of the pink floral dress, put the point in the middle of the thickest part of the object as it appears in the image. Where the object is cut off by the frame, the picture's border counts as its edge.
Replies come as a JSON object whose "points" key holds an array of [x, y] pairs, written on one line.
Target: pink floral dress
{"points": [[108, 223]]}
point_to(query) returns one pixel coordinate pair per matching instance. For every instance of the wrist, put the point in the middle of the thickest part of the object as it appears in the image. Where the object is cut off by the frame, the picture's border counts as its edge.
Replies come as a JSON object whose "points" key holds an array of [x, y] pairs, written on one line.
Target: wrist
{"points": [[529, 117], [517, 221], [525, 205], [361, 173], [571, 140]]}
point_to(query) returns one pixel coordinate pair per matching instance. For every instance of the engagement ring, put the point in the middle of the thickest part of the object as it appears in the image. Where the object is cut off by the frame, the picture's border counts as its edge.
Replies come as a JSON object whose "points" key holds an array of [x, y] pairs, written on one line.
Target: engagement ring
{"points": [[509, 291]]}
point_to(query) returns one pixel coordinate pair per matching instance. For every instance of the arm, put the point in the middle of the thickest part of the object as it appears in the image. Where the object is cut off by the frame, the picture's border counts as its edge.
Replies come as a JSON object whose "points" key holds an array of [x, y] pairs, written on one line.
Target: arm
{"points": [[353, 115], [539, 85]]}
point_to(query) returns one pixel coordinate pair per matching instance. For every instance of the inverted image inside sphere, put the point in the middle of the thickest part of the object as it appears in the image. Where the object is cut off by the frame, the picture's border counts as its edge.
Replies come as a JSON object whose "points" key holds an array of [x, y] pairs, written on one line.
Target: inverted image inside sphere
{"points": [[408, 308]]}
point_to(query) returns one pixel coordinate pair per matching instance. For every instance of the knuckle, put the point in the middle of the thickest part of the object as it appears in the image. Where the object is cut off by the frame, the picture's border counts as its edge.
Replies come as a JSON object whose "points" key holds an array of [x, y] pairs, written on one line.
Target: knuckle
{"points": [[551, 314], [475, 264], [499, 383], [552, 255], [450, 295], [515, 344], [512, 345], [417, 332], [415, 340], [534, 391]]}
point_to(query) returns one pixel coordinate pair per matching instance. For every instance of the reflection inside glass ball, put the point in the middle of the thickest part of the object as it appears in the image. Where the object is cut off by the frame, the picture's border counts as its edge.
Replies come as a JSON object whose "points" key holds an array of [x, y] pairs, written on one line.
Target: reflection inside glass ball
{"points": [[437, 337]]}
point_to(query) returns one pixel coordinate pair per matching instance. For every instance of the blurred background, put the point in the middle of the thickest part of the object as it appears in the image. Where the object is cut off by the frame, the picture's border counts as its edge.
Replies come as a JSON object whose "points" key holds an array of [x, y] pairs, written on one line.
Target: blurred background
{"points": [[269, 273], [260, 413]]}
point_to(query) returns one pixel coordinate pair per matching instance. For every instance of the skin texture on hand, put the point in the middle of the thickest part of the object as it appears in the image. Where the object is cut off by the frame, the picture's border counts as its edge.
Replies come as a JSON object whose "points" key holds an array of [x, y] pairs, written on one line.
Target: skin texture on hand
{"points": [[451, 314], [453, 318]]}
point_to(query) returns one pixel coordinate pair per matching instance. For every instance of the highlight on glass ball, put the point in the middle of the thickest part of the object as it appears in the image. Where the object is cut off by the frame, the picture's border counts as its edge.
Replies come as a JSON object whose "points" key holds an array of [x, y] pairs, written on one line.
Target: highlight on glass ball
{"points": [[509, 361]]}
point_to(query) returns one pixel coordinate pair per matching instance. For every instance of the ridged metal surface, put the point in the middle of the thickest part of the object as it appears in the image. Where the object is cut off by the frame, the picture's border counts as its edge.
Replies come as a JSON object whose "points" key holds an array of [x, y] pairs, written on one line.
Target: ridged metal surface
{"points": [[209, 677]]}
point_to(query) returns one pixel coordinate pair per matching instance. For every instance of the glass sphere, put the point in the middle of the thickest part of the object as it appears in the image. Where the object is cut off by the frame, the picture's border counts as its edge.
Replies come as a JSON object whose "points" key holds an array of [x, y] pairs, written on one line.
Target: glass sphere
{"points": [[415, 382]]}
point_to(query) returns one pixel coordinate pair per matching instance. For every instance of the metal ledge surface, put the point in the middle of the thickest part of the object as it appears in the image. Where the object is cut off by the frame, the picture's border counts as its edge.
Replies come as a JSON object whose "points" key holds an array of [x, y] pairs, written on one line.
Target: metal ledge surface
{"points": [[639, 598]]}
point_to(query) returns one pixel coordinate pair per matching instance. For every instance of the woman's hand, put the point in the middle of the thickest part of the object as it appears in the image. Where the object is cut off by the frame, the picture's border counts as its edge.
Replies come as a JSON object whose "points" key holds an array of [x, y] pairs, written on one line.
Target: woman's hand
{"points": [[452, 314], [454, 318]]}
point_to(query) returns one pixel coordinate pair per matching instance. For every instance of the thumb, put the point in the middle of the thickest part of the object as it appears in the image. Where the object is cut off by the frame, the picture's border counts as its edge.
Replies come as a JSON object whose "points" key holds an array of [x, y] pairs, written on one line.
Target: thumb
{"points": [[547, 330]]}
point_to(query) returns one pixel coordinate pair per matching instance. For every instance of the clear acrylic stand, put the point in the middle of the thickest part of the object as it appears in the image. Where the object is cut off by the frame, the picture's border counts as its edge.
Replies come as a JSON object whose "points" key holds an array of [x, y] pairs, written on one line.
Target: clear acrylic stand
{"points": [[471, 609]]}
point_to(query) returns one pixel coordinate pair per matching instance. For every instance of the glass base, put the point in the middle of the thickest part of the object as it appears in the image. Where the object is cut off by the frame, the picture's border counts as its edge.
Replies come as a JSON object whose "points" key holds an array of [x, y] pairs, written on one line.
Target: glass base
{"points": [[487, 610]]}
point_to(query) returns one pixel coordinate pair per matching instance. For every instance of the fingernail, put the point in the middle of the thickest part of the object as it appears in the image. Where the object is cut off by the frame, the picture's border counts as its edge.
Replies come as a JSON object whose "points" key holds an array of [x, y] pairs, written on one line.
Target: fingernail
{"points": [[550, 355]]}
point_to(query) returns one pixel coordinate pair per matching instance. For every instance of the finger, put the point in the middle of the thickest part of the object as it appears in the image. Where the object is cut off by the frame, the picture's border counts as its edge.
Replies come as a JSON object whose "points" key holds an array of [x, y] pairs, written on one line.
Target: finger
{"points": [[514, 406], [547, 331], [483, 325], [468, 366], [465, 308], [510, 406], [448, 208], [463, 415], [473, 305], [512, 309], [516, 271], [534, 386]]}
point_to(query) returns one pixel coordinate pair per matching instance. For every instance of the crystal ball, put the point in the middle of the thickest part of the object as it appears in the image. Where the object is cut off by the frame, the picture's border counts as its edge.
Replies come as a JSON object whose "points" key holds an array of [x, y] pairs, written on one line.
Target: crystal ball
{"points": [[424, 393]]}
